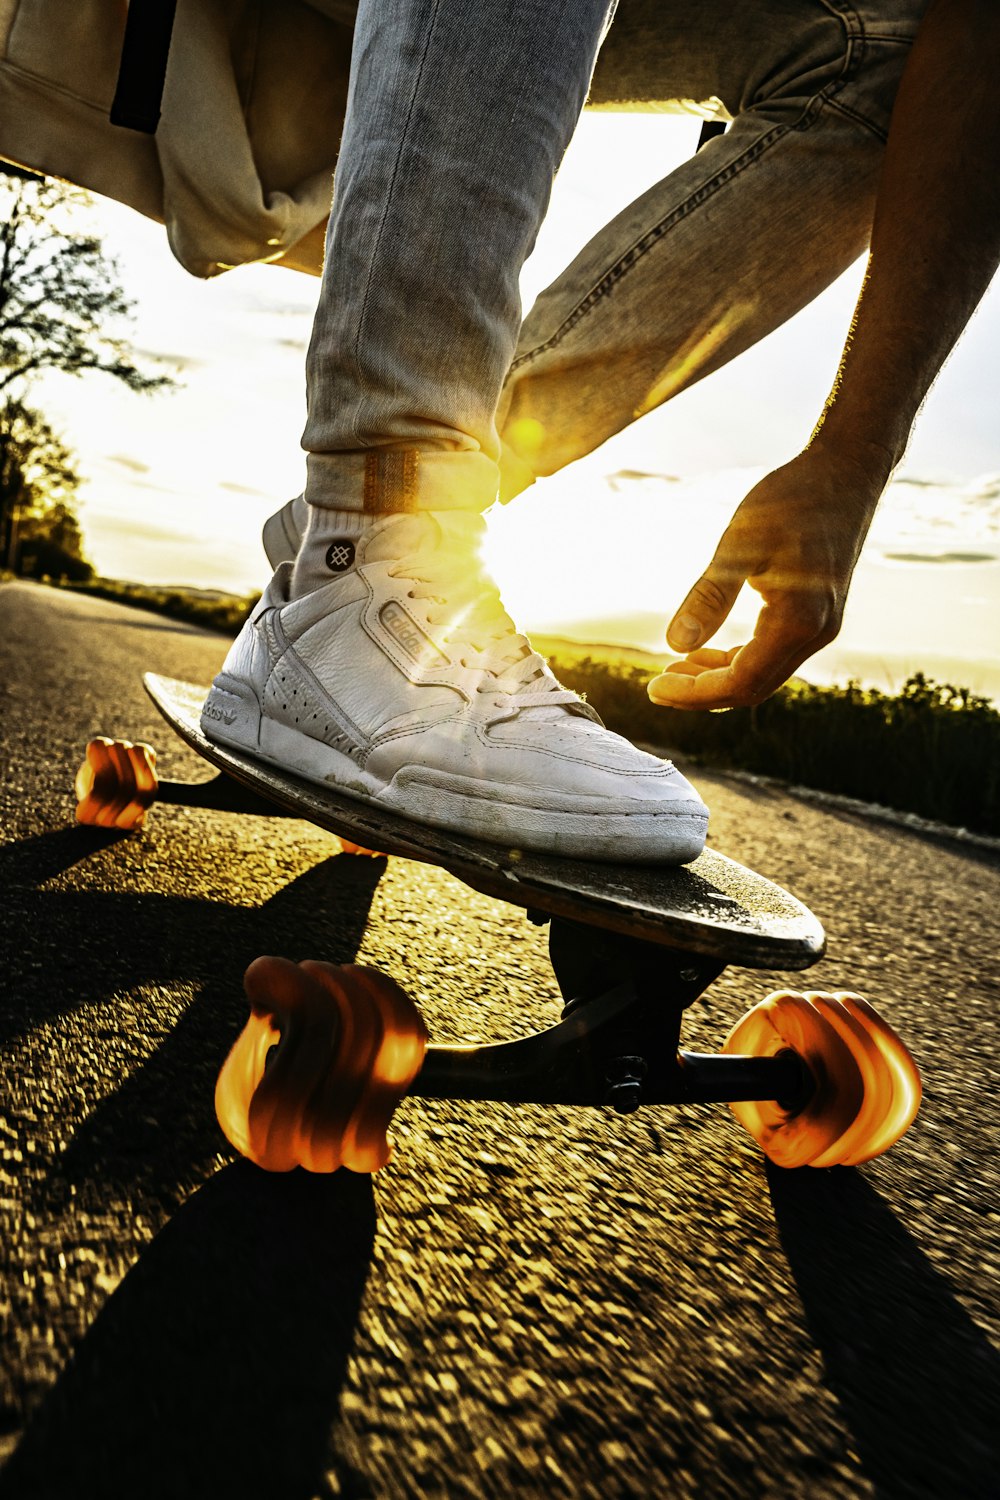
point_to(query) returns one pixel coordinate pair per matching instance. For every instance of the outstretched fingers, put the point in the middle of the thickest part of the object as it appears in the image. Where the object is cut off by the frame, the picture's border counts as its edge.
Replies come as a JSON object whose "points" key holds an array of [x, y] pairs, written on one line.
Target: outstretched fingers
{"points": [[788, 632]]}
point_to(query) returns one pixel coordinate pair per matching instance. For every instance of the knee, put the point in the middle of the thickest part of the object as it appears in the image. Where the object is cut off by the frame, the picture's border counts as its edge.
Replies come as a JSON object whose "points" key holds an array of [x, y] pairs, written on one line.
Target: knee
{"points": [[879, 35]]}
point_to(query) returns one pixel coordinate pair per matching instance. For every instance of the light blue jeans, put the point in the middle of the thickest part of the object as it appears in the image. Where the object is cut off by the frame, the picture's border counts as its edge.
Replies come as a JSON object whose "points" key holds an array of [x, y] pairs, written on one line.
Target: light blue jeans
{"points": [[421, 377]]}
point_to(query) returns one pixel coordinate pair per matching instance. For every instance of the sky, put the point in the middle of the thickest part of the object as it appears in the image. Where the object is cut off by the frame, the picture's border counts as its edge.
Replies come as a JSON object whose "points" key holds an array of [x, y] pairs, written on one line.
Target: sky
{"points": [[177, 486]]}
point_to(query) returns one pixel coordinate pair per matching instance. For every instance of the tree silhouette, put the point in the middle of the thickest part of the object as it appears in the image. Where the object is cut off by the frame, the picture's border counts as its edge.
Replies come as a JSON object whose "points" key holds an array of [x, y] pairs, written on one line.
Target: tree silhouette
{"points": [[38, 482], [61, 308], [61, 304]]}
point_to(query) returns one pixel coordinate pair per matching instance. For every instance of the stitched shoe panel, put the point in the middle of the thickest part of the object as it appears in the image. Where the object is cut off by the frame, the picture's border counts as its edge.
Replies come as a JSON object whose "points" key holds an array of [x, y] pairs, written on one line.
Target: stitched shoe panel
{"points": [[403, 681], [283, 532], [291, 697]]}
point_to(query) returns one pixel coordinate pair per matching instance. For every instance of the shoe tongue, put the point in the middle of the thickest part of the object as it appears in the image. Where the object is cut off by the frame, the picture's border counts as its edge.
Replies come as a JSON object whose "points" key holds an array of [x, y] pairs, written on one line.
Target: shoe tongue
{"points": [[394, 537], [455, 532]]}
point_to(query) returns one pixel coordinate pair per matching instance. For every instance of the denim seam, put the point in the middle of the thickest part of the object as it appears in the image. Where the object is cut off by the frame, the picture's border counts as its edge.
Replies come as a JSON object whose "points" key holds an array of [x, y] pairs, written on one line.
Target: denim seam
{"points": [[403, 141], [854, 24], [847, 15], [49, 86], [859, 119], [651, 237]]}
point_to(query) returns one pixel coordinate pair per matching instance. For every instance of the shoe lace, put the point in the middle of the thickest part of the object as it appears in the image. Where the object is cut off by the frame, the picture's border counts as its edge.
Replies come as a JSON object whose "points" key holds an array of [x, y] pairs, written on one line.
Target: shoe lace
{"points": [[462, 606]]}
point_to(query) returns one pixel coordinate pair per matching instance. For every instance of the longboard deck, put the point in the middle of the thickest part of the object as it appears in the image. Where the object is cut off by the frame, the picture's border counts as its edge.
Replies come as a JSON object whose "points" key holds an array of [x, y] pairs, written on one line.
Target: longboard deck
{"points": [[714, 906]]}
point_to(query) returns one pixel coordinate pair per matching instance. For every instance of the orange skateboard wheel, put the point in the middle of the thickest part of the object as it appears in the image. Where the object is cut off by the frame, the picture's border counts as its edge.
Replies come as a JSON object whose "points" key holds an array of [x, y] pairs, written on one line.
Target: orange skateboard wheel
{"points": [[346, 847], [866, 1087], [315, 1076], [116, 784]]}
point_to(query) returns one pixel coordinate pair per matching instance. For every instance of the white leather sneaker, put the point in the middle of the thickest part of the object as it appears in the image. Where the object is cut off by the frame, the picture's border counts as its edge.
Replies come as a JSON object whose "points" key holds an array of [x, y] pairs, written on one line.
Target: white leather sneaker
{"points": [[403, 682]]}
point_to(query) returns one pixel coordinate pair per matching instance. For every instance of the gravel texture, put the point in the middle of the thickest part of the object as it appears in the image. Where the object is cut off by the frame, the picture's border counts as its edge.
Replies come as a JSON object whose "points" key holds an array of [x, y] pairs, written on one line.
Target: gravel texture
{"points": [[526, 1301]]}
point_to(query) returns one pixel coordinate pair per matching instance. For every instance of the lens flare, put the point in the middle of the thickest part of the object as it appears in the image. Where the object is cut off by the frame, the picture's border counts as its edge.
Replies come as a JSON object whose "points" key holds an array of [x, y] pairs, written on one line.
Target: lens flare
{"points": [[700, 353], [526, 435]]}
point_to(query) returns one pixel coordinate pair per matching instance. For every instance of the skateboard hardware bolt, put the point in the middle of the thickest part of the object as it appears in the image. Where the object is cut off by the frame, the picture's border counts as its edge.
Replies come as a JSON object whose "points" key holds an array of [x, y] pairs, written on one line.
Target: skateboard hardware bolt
{"points": [[625, 1075], [689, 976]]}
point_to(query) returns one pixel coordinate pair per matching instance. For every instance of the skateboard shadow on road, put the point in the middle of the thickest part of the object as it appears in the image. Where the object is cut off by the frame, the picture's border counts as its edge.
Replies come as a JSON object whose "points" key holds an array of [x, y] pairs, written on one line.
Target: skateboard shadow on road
{"points": [[154, 1132], [31, 862], [917, 1382], [215, 1368]]}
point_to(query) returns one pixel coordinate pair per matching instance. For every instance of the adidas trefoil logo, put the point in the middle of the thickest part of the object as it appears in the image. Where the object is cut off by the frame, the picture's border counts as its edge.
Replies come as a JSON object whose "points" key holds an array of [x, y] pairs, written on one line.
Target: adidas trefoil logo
{"points": [[220, 715]]}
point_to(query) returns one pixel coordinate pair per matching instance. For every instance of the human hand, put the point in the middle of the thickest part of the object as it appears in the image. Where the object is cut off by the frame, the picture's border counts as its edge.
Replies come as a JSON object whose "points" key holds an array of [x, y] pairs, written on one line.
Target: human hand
{"points": [[795, 539]]}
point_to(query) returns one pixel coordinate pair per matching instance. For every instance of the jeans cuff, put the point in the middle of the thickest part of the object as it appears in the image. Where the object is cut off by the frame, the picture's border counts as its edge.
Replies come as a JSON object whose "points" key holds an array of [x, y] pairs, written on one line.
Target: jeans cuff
{"points": [[516, 475], [401, 479]]}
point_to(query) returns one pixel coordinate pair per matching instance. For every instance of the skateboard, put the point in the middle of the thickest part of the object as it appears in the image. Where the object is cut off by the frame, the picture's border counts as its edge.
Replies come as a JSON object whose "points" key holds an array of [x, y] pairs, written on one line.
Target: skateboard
{"points": [[329, 1051]]}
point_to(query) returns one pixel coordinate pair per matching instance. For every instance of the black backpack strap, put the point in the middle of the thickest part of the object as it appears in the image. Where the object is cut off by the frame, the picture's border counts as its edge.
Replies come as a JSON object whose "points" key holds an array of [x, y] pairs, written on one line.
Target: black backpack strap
{"points": [[143, 67], [709, 130]]}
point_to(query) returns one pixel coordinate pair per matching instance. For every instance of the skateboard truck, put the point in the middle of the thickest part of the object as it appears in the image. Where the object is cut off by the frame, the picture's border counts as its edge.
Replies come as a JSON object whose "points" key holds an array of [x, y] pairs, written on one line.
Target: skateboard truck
{"points": [[817, 1079], [583, 1060], [618, 1041], [328, 1052]]}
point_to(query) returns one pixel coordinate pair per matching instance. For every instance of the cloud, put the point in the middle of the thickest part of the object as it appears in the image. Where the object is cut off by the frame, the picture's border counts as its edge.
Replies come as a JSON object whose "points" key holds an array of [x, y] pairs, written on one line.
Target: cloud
{"points": [[176, 362], [132, 485], [256, 300], [940, 557], [916, 483], [128, 462], [144, 531], [158, 489], [630, 476], [986, 488], [243, 489]]}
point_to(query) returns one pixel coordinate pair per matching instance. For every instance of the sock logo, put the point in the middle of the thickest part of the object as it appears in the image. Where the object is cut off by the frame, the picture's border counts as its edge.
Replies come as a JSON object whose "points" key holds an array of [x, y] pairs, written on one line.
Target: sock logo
{"points": [[340, 555]]}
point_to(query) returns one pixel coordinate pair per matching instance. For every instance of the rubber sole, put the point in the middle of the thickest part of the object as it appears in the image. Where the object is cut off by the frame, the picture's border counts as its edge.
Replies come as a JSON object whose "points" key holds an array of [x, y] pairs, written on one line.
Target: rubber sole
{"points": [[232, 717]]}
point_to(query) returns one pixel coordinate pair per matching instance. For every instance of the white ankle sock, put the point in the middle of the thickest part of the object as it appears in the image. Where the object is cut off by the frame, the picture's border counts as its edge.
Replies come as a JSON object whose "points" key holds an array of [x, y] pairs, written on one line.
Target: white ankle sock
{"points": [[327, 548]]}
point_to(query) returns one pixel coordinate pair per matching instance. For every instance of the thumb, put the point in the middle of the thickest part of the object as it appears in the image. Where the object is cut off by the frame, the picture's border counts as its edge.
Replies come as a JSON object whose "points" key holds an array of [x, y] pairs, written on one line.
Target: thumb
{"points": [[706, 606]]}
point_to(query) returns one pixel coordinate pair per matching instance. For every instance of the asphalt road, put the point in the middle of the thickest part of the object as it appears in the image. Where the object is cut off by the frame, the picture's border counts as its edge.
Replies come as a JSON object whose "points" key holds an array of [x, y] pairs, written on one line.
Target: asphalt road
{"points": [[526, 1301]]}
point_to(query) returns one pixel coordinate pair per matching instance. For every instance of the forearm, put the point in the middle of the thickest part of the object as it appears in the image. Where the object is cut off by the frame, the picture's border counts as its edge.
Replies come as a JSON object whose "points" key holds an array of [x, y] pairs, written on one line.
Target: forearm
{"points": [[936, 234]]}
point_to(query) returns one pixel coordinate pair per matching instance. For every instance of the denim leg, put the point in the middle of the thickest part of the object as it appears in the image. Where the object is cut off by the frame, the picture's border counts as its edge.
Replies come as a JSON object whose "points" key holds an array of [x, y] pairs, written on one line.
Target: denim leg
{"points": [[459, 113], [735, 241]]}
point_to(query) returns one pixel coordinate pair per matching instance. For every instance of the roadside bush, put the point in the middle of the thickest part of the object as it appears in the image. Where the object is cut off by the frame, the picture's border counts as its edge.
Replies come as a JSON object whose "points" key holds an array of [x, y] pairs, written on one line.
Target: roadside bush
{"points": [[222, 612], [931, 749]]}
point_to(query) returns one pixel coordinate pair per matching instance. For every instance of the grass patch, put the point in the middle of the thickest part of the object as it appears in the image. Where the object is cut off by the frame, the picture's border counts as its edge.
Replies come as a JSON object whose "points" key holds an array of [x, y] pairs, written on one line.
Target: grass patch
{"points": [[207, 608], [931, 748]]}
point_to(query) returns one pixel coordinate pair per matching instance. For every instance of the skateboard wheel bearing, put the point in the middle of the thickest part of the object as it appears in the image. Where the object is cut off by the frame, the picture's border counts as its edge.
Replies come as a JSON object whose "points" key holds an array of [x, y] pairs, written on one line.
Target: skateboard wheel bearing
{"points": [[866, 1087]]}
